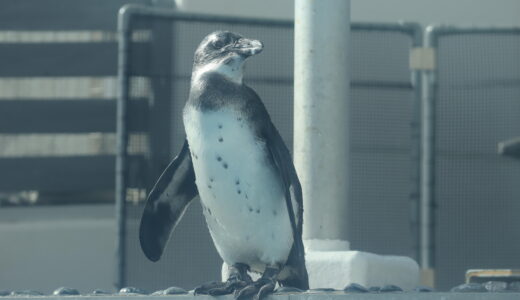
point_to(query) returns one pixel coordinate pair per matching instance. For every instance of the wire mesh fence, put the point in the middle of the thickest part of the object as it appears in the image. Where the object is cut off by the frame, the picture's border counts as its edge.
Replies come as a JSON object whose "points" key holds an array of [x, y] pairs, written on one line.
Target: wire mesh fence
{"points": [[383, 107], [477, 105]]}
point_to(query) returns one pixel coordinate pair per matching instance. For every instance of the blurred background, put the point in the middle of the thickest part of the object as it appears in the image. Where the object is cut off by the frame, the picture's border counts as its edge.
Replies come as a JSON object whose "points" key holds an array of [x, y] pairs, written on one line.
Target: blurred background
{"points": [[58, 91]]}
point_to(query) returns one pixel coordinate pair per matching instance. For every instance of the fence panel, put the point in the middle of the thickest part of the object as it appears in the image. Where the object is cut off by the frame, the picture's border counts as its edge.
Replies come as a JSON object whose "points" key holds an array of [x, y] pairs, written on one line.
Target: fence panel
{"points": [[477, 105]]}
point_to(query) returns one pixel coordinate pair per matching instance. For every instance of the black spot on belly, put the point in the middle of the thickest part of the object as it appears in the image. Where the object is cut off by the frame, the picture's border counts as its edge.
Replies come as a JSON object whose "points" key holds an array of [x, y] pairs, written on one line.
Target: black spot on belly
{"points": [[228, 60], [237, 182], [209, 186], [225, 165], [258, 210], [220, 139], [219, 158], [219, 126], [250, 208], [274, 212], [239, 192], [211, 179]]}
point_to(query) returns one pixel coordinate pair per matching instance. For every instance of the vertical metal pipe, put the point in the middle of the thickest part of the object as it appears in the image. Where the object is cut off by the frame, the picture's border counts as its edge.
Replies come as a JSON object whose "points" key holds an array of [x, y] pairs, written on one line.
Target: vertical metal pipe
{"points": [[415, 151], [321, 115], [122, 142], [427, 164]]}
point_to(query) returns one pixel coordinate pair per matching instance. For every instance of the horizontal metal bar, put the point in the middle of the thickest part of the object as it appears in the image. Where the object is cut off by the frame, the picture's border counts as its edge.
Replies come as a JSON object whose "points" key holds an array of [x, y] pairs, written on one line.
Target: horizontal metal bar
{"points": [[133, 10], [289, 81], [480, 84], [433, 32], [144, 11], [67, 116]]}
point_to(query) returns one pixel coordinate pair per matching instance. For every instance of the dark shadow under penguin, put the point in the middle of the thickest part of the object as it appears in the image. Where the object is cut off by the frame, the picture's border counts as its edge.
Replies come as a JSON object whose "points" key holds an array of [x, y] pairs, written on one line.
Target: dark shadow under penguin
{"points": [[236, 161]]}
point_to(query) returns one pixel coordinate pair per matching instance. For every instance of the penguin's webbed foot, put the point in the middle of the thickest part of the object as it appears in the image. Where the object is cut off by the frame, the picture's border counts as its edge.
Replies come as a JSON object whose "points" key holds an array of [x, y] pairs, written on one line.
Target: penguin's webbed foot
{"points": [[260, 288], [238, 279]]}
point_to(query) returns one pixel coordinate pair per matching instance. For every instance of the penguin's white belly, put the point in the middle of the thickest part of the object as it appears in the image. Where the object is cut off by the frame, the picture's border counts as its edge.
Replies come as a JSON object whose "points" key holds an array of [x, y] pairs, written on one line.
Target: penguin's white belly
{"points": [[241, 194]]}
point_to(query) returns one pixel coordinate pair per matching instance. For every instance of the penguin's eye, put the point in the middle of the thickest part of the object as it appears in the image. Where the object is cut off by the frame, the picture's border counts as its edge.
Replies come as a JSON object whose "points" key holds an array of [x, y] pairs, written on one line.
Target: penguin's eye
{"points": [[218, 44]]}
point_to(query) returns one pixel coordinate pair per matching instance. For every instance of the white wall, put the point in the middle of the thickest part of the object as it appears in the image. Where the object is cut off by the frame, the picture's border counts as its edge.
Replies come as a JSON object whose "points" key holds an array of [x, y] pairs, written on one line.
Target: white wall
{"points": [[458, 12]]}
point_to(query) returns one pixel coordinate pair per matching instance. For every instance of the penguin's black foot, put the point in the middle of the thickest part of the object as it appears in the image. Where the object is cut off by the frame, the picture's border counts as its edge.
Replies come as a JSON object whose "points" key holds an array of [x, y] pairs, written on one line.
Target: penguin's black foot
{"points": [[260, 288], [238, 279]]}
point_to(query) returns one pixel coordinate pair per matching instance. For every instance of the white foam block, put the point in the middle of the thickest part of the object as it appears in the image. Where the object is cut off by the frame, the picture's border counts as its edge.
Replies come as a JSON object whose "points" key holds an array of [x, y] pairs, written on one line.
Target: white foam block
{"points": [[337, 269], [331, 265]]}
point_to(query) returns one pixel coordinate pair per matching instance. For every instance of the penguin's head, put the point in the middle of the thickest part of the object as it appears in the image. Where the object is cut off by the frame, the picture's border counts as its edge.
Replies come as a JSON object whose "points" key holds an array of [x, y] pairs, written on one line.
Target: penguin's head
{"points": [[224, 52]]}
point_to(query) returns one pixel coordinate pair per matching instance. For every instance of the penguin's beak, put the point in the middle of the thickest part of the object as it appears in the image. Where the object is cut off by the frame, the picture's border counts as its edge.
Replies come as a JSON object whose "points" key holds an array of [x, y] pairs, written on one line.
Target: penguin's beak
{"points": [[247, 47]]}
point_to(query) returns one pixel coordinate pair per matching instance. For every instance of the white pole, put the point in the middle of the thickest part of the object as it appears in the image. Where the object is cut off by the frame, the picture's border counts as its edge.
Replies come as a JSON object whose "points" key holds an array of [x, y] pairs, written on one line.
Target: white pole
{"points": [[321, 115]]}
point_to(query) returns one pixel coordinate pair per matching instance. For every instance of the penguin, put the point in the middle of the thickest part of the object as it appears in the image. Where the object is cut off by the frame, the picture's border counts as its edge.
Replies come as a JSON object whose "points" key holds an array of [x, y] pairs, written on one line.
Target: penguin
{"points": [[235, 160]]}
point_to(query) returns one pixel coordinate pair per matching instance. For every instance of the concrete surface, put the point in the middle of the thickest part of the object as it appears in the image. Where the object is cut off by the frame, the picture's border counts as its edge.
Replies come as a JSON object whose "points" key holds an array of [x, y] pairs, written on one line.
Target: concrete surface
{"points": [[303, 296]]}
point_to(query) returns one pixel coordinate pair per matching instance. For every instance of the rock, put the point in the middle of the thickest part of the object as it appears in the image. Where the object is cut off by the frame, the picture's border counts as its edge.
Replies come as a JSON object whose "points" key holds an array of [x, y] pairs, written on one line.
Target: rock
{"points": [[64, 291], [514, 286], [423, 289], [322, 290], [390, 288], [173, 290], [469, 288], [4, 293], [129, 290], [495, 286], [374, 289], [25, 293], [288, 289], [355, 288]]}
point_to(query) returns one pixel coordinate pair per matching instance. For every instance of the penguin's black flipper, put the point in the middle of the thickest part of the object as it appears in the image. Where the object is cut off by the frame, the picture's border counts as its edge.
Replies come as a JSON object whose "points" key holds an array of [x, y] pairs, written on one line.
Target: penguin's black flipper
{"points": [[166, 204], [282, 160]]}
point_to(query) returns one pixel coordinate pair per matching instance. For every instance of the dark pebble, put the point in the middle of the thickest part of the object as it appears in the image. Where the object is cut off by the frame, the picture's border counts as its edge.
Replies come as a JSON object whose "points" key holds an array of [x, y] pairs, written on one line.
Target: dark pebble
{"points": [[25, 293], [423, 289], [324, 290], [99, 292], [355, 288], [514, 286], [288, 289], [64, 291], [374, 289], [173, 290], [390, 288], [132, 290], [495, 286], [4, 293], [469, 288]]}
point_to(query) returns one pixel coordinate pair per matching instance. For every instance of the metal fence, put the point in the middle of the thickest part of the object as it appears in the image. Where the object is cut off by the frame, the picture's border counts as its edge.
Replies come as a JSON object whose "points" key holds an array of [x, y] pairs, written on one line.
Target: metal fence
{"points": [[157, 47], [475, 101]]}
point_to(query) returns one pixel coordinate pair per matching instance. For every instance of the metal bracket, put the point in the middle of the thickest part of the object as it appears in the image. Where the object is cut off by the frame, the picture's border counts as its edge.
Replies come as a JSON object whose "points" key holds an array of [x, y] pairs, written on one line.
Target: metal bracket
{"points": [[510, 148], [422, 58]]}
